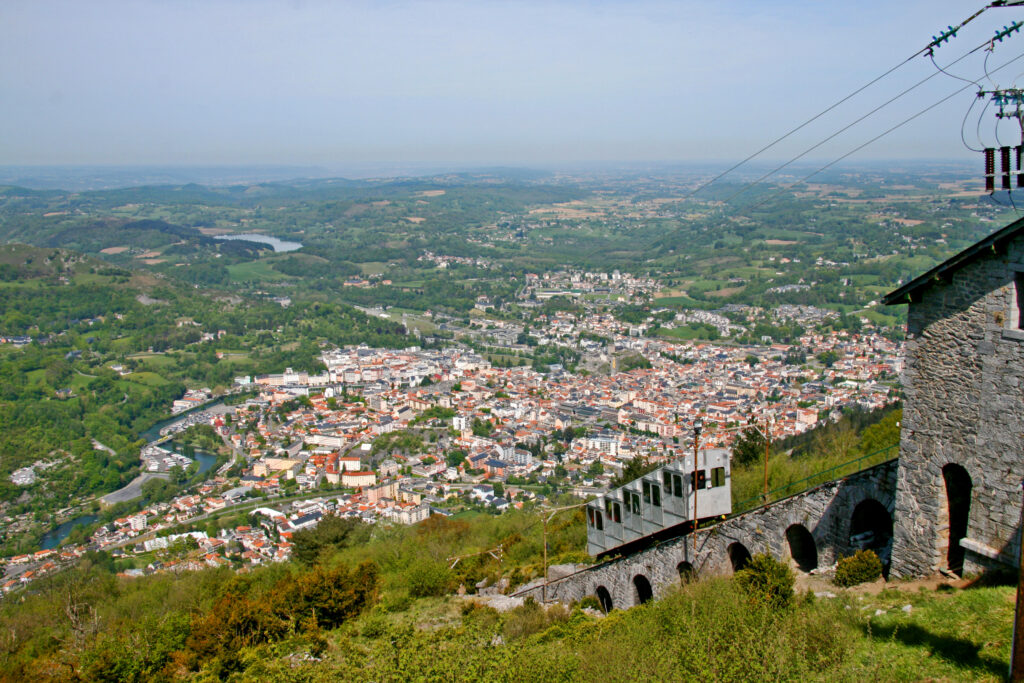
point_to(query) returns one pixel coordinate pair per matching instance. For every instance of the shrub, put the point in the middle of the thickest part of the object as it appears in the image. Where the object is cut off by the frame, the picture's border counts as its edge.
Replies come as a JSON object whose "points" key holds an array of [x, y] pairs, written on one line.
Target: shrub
{"points": [[861, 567], [767, 580], [396, 602], [427, 578], [374, 625], [531, 617], [591, 602]]}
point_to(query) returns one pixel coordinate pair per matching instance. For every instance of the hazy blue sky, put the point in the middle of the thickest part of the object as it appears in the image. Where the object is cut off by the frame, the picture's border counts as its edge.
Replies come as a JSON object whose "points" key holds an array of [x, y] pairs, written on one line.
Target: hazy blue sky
{"points": [[515, 82]]}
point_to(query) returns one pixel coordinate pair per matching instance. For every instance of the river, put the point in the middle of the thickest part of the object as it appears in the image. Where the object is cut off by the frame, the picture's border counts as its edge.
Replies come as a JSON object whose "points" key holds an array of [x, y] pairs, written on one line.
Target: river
{"points": [[206, 460], [53, 538], [279, 245]]}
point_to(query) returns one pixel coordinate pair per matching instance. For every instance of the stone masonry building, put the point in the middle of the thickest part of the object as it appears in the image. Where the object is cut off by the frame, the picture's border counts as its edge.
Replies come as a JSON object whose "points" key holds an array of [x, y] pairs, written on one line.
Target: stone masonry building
{"points": [[958, 498]]}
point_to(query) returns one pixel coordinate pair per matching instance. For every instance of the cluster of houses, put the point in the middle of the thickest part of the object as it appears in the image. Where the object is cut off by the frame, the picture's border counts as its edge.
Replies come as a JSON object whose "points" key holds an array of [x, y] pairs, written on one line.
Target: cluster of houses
{"points": [[391, 435], [501, 421]]}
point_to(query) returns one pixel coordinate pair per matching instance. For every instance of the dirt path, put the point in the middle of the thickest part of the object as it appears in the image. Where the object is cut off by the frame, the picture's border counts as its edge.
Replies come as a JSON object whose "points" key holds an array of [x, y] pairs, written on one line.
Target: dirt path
{"points": [[823, 584]]}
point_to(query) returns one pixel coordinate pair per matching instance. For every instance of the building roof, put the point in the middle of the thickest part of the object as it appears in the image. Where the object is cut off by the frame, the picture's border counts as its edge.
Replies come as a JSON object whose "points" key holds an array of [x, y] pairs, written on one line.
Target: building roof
{"points": [[911, 291]]}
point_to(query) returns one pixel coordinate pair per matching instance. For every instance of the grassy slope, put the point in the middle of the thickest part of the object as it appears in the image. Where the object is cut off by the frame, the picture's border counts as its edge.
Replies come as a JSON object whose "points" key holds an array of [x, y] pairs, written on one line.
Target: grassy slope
{"points": [[707, 631]]}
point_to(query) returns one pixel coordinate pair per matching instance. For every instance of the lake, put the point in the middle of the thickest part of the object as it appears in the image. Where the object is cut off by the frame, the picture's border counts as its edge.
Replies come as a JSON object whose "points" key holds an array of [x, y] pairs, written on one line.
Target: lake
{"points": [[279, 245]]}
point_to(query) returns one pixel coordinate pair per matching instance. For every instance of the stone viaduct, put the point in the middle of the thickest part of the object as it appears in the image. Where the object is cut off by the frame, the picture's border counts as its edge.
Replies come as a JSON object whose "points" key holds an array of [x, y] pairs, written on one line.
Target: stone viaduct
{"points": [[812, 529]]}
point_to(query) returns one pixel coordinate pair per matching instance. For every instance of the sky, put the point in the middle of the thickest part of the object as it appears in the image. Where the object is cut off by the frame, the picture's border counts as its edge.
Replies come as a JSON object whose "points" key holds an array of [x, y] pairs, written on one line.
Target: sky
{"points": [[508, 82]]}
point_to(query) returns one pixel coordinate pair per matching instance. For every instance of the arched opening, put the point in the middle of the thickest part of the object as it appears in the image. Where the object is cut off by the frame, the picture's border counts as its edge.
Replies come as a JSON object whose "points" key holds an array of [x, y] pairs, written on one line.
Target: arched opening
{"points": [[802, 547], [686, 573], [643, 589], [871, 529], [958, 498], [738, 556], [605, 598]]}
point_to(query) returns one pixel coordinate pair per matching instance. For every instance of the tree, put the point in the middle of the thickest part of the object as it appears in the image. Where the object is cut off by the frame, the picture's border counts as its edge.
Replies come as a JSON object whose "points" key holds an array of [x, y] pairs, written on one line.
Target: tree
{"points": [[482, 427], [455, 457], [634, 469], [828, 358], [331, 533], [748, 447]]}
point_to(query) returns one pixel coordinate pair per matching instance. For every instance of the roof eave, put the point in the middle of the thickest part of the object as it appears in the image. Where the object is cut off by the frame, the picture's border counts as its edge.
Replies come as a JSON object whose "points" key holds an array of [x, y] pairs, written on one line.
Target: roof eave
{"points": [[910, 292]]}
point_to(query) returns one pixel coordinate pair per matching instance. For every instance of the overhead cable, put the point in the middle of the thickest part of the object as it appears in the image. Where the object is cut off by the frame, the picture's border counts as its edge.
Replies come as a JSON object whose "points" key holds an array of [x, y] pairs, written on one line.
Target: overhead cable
{"points": [[879, 136], [936, 42], [858, 120]]}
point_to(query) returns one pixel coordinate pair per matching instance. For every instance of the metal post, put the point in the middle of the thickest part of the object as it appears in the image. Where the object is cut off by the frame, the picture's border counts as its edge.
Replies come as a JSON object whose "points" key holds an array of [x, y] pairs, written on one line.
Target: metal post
{"points": [[697, 425], [1017, 654]]}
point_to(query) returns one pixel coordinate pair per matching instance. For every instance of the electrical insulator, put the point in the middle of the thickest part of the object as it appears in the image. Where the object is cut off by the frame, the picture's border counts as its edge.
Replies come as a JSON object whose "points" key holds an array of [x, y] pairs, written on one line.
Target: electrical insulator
{"points": [[1020, 176], [990, 169], [1004, 157]]}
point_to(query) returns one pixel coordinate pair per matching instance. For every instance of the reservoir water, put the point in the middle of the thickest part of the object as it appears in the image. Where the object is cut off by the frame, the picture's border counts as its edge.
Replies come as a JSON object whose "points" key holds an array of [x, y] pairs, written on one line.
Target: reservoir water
{"points": [[279, 245]]}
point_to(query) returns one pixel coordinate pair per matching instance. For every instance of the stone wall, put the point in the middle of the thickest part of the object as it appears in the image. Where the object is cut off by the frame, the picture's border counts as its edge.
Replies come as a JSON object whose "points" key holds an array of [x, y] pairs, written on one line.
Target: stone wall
{"points": [[964, 404], [825, 512]]}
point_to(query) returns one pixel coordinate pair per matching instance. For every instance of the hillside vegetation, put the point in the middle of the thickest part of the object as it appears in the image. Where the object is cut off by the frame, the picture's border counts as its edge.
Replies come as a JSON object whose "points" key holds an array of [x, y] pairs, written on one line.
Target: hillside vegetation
{"points": [[392, 618]]}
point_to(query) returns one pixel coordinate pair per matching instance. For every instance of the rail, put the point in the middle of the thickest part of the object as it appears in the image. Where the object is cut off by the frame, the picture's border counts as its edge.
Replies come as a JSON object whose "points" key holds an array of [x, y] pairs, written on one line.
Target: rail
{"points": [[800, 485], [857, 465]]}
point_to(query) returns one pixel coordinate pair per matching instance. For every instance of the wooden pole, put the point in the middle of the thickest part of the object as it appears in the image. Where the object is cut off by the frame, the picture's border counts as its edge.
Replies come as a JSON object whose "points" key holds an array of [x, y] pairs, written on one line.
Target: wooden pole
{"points": [[696, 480], [767, 446], [1017, 655], [544, 590]]}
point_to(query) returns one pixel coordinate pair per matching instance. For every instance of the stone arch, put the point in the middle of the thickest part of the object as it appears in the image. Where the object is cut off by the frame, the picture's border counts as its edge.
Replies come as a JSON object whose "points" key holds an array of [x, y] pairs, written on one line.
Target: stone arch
{"points": [[871, 528], [802, 547], [958, 509], [738, 555], [605, 599], [644, 592], [686, 572]]}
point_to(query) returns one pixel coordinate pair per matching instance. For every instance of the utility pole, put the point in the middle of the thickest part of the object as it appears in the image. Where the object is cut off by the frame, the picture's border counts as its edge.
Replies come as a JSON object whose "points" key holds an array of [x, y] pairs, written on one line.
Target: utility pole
{"points": [[544, 589], [767, 447], [547, 518], [1017, 654], [698, 424]]}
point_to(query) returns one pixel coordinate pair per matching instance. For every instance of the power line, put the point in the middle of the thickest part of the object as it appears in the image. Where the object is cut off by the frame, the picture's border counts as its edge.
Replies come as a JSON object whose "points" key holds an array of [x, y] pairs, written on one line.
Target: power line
{"points": [[936, 42], [878, 137], [870, 113], [963, 124]]}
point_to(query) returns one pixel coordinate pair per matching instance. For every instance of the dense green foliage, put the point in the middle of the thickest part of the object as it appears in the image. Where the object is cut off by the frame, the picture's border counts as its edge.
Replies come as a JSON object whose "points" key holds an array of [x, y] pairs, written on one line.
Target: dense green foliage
{"points": [[330, 535], [829, 451], [767, 581], [861, 567]]}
